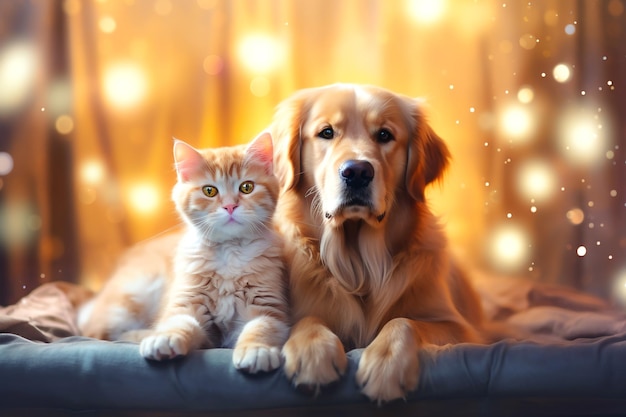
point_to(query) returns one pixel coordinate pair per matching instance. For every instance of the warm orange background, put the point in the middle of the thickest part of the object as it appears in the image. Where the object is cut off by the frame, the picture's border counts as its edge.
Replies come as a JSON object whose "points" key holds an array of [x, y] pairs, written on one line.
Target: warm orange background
{"points": [[92, 92]]}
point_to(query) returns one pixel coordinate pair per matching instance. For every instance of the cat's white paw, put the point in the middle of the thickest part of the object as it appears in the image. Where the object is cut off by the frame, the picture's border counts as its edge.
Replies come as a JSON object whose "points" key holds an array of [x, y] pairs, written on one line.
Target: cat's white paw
{"points": [[259, 358], [160, 346]]}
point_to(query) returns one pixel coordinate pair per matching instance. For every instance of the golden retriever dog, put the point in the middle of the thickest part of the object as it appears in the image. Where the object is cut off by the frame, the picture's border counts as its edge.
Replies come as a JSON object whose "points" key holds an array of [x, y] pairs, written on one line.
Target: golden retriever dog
{"points": [[369, 263]]}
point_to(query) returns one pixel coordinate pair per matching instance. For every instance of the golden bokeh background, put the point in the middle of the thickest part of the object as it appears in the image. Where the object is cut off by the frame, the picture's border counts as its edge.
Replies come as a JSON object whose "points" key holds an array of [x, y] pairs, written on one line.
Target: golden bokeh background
{"points": [[529, 95]]}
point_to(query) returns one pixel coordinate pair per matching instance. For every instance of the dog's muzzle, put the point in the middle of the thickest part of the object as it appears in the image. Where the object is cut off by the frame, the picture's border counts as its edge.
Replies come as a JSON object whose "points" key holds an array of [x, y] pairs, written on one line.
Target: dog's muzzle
{"points": [[356, 174]]}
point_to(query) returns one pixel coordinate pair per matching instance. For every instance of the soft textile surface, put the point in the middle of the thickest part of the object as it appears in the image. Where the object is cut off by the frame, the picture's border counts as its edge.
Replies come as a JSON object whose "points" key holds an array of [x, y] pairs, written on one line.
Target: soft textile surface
{"points": [[581, 370], [48, 313], [78, 373]]}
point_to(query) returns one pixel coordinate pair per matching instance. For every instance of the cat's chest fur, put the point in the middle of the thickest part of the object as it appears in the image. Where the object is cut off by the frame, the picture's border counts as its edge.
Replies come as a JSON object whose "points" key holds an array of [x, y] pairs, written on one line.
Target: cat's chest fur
{"points": [[225, 275]]}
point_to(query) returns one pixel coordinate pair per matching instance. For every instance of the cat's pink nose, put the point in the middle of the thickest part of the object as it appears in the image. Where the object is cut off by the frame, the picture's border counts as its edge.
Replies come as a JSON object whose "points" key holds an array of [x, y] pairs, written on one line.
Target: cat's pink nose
{"points": [[230, 208]]}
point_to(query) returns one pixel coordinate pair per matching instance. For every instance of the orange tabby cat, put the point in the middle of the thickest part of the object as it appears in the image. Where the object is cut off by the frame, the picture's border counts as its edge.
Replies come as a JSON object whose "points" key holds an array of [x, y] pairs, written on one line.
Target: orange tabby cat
{"points": [[226, 285]]}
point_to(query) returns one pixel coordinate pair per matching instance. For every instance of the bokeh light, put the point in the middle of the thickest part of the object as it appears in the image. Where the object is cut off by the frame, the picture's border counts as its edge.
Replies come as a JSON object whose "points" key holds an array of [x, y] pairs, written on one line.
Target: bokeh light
{"points": [[125, 85], [536, 179], [6, 163], [107, 24], [525, 95], [144, 197], [509, 247], [213, 64], [619, 286], [260, 53], [561, 73], [92, 172], [576, 216], [64, 124], [582, 137], [528, 41], [426, 11], [516, 122], [18, 64]]}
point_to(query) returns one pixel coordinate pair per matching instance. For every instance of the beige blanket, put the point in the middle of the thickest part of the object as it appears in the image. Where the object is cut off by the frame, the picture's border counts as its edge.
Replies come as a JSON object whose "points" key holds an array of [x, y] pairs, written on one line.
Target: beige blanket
{"points": [[545, 312]]}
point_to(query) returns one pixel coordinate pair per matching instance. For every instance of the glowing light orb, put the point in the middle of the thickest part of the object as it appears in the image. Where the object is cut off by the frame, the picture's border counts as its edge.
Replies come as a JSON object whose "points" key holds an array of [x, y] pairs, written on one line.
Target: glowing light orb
{"points": [[125, 85], [536, 179], [576, 216], [260, 53], [144, 198], [570, 29], [64, 124], [107, 24], [619, 285], [582, 137], [581, 251], [516, 122], [426, 11], [92, 172], [561, 73], [18, 65], [509, 247], [525, 95], [6, 163]]}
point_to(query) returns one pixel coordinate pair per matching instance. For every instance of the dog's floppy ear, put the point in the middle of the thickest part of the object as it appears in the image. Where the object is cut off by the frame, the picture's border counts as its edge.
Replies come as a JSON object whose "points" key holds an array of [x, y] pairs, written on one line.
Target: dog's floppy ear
{"points": [[428, 155], [286, 133]]}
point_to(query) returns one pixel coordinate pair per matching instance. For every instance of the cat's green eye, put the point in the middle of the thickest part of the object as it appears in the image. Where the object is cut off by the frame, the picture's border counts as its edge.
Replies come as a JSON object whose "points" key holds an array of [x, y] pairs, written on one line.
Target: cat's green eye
{"points": [[246, 187], [209, 191]]}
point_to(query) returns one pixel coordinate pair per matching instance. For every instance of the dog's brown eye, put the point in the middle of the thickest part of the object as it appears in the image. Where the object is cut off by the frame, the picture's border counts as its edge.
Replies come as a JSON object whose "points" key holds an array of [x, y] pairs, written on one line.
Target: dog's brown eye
{"points": [[326, 133], [384, 136]]}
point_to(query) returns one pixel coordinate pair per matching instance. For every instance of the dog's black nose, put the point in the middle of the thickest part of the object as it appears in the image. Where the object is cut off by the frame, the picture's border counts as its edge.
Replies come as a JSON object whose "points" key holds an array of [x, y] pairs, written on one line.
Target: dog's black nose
{"points": [[356, 173]]}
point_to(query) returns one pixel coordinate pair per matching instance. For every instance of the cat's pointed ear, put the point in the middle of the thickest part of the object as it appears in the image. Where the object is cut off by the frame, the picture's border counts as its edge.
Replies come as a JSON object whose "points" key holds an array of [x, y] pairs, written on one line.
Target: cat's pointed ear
{"points": [[261, 150], [188, 161]]}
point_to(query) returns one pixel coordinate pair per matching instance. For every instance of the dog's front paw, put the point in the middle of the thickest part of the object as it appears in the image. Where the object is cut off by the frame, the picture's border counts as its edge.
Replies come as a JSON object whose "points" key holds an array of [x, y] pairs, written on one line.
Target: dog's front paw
{"points": [[314, 355], [164, 345], [389, 366], [256, 358]]}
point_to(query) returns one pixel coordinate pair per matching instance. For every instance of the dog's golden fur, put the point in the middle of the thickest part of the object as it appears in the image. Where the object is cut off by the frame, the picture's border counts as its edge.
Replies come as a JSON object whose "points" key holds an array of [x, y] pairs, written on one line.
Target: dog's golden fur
{"points": [[369, 267]]}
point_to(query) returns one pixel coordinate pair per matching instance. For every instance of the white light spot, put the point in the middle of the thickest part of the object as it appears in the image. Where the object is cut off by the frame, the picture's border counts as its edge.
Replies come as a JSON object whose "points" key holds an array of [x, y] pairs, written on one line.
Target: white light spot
{"points": [[561, 73], [516, 122], [125, 85], [525, 95], [6, 163], [536, 179], [260, 53], [92, 172], [144, 198], [18, 65], [509, 247], [426, 11]]}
